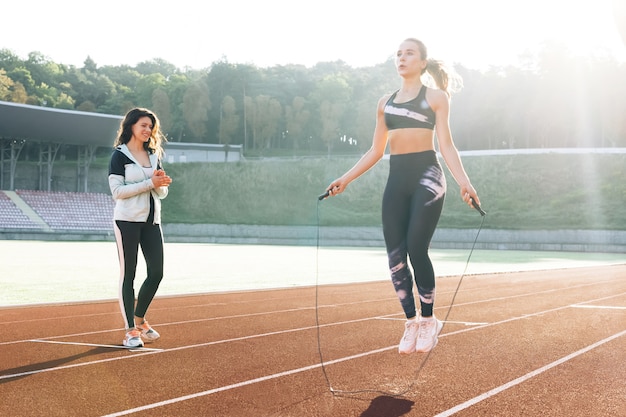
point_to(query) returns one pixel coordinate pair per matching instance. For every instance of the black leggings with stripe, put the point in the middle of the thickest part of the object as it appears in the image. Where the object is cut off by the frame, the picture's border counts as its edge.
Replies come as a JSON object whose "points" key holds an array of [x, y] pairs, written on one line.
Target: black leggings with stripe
{"points": [[129, 237], [412, 204]]}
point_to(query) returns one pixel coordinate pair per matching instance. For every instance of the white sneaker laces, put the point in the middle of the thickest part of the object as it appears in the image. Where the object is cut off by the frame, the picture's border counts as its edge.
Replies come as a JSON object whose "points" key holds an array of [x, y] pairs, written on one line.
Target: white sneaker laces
{"points": [[426, 329], [409, 331]]}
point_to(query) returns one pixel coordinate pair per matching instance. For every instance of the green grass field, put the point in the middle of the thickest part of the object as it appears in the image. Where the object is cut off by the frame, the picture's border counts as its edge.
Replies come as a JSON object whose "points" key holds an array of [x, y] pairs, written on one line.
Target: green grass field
{"points": [[582, 190], [526, 192]]}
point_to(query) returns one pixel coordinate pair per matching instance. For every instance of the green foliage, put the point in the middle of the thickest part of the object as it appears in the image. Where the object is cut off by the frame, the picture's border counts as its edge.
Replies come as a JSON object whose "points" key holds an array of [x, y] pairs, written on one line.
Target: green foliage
{"points": [[546, 192], [5, 85], [560, 100]]}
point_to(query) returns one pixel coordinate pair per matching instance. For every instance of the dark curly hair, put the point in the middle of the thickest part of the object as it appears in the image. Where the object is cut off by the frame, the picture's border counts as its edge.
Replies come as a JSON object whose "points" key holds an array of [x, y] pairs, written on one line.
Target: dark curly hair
{"points": [[125, 132]]}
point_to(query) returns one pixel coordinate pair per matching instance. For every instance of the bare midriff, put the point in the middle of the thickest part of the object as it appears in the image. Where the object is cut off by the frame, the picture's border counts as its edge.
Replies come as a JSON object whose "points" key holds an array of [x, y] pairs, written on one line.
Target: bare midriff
{"points": [[410, 140]]}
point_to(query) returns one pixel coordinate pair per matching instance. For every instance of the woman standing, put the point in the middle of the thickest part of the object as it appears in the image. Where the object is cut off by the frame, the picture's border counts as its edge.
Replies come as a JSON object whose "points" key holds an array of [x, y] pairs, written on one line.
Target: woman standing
{"points": [[138, 183], [413, 199]]}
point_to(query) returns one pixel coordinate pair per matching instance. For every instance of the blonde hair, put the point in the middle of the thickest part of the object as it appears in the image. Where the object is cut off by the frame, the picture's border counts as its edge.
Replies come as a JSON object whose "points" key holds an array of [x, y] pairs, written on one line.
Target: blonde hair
{"points": [[443, 76]]}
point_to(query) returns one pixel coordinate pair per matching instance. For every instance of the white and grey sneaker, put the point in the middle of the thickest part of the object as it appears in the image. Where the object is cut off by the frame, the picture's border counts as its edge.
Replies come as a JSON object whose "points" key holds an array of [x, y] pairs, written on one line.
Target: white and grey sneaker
{"points": [[133, 339], [147, 332]]}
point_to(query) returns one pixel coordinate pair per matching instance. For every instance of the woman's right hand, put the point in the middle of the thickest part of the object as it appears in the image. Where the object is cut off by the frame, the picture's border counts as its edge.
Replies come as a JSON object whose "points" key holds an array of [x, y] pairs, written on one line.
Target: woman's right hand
{"points": [[336, 187], [161, 179]]}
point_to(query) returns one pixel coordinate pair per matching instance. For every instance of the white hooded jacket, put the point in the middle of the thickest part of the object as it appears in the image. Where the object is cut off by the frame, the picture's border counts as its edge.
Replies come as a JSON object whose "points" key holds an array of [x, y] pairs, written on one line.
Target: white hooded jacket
{"points": [[131, 187]]}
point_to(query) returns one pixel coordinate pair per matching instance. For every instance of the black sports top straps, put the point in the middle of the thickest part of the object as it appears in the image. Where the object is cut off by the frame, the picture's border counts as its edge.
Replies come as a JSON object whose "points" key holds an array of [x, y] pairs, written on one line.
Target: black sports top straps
{"points": [[414, 113]]}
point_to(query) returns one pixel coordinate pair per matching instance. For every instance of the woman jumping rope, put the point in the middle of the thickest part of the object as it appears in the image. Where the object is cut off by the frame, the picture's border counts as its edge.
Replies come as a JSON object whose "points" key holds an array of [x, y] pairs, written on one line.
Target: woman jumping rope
{"points": [[413, 198]]}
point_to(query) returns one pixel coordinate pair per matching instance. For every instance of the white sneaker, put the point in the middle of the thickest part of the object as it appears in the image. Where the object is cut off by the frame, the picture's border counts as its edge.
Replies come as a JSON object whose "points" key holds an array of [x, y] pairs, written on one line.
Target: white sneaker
{"points": [[147, 332], [429, 329], [133, 339], [407, 344]]}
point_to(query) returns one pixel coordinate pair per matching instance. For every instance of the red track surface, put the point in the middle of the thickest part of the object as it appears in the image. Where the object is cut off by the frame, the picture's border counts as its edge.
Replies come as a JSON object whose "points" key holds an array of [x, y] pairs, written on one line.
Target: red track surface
{"points": [[548, 343]]}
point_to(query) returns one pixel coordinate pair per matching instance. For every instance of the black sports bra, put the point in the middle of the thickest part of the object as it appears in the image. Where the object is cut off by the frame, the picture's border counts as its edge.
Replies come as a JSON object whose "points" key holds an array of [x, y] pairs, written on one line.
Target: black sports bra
{"points": [[413, 113]]}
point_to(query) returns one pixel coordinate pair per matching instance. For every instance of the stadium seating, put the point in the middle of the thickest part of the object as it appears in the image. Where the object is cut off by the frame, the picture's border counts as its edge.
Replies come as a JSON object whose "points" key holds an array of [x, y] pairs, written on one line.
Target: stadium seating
{"points": [[71, 210], [11, 217]]}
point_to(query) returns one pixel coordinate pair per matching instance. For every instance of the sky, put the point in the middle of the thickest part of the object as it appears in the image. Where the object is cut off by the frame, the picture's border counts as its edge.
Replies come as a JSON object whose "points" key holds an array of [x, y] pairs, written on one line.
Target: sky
{"points": [[193, 34]]}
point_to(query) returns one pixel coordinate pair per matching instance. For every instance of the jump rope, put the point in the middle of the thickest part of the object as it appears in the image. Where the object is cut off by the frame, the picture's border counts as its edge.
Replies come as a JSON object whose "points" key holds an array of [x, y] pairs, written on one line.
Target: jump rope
{"points": [[410, 387]]}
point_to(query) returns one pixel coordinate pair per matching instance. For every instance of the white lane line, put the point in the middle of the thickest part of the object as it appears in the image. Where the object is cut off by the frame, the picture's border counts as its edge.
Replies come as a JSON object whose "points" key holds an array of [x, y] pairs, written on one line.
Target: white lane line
{"points": [[525, 316], [308, 368], [209, 392], [234, 316], [244, 383], [216, 342], [526, 377], [176, 323], [360, 355], [389, 318], [75, 365], [144, 349], [599, 307], [281, 311], [465, 323]]}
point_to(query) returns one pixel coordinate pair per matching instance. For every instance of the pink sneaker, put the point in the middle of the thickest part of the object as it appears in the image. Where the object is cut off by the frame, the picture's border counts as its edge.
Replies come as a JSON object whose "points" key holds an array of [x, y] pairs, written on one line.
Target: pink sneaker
{"points": [[407, 344], [429, 328]]}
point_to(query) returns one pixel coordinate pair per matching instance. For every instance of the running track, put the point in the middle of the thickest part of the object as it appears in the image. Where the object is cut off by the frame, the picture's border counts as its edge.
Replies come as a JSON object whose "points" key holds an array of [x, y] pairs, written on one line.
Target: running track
{"points": [[540, 343]]}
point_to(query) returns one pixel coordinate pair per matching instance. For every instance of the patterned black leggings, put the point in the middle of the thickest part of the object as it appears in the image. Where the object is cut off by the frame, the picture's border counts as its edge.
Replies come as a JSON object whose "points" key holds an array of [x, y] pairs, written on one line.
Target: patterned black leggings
{"points": [[412, 204], [130, 236]]}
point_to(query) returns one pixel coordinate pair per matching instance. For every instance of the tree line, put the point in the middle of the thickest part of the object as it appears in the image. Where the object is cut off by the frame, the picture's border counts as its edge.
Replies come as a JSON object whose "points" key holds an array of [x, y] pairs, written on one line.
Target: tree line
{"points": [[552, 99]]}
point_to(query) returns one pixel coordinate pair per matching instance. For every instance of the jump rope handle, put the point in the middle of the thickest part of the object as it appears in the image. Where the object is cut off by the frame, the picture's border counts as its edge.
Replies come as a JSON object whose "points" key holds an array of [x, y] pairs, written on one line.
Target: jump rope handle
{"points": [[476, 206], [323, 196]]}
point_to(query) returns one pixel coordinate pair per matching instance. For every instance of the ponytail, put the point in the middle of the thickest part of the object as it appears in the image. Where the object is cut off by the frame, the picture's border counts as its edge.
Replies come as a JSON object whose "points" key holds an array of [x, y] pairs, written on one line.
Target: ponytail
{"points": [[445, 78]]}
